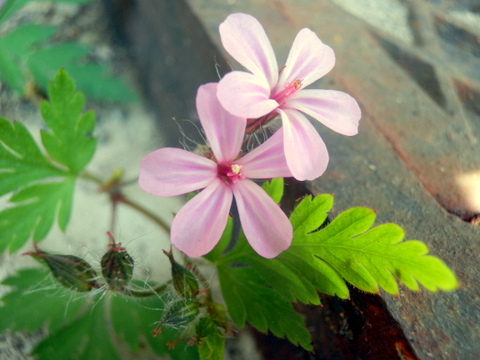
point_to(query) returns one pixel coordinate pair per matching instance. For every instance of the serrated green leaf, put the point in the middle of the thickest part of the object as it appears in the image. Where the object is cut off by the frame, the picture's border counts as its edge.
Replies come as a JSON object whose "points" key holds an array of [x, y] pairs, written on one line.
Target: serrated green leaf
{"points": [[311, 213], [69, 139], [372, 258], [280, 276], [93, 79], [274, 188], [34, 213], [15, 47], [21, 161], [291, 274], [248, 298]]}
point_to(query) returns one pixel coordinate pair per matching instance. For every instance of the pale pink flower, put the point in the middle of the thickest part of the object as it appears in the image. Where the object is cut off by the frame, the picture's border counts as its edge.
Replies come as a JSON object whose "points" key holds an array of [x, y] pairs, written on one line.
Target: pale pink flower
{"points": [[265, 92], [199, 224]]}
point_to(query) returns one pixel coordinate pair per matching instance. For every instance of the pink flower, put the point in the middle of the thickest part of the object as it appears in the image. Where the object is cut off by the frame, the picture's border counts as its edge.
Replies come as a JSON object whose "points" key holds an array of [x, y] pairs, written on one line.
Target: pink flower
{"points": [[199, 224], [265, 92]]}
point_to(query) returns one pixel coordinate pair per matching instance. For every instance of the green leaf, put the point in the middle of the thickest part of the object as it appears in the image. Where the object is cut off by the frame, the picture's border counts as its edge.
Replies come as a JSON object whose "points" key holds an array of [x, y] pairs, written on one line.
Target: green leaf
{"points": [[323, 258], [93, 79], [12, 6], [212, 347], [35, 299], [375, 258], [15, 47], [274, 188], [45, 191], [279, 275], [86, 337], [21, 161], [81, 325], [250, 299], [34, 212], [69, 139]]}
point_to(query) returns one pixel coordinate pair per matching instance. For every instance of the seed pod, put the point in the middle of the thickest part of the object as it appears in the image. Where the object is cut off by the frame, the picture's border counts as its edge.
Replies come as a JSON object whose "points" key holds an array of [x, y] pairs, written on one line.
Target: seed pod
{"points": [[179, 314], [117, 265], [69, 270], [184, 281]]}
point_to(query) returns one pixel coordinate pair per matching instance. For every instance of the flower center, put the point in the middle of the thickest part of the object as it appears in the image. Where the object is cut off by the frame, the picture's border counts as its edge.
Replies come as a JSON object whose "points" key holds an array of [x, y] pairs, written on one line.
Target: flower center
{"points": [[289, 90], [230, 173]]}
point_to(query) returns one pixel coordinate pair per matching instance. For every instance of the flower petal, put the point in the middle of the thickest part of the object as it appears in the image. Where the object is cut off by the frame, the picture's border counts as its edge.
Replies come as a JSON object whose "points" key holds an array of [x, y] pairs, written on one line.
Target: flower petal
{"points": [[265, 225], [267, 160], [306, 153], [224, 131], [171, 171], [245, 40], [199, 224], [244, 94], [309, 59], [334, 109]]}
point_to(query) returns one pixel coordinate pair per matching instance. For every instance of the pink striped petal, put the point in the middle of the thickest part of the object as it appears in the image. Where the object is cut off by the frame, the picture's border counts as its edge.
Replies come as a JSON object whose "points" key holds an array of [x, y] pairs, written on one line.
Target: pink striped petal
{"points": [[334, 109], [224, 131], [265, 225], [306, 153], [309, 59], [244, 94], [245, 40], [171, 171], [267, 160], [199, 224]]}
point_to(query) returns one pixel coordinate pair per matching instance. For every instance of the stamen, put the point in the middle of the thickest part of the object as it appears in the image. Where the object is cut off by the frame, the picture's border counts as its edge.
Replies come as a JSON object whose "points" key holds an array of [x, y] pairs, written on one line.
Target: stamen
{"points": [[289, 90], [230, 173]]}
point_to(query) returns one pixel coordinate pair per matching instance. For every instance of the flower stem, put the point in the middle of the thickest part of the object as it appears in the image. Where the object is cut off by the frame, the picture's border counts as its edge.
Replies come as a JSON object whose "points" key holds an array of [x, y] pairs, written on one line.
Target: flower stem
{"points": [[145, 212], [141, 294], [113, 188], [89, 176]]}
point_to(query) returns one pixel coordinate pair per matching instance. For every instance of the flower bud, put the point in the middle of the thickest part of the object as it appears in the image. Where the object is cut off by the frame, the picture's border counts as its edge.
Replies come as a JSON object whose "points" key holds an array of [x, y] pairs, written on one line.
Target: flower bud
{"points": [[179, 314], [69, 270], [117, 265], [184, 281]]}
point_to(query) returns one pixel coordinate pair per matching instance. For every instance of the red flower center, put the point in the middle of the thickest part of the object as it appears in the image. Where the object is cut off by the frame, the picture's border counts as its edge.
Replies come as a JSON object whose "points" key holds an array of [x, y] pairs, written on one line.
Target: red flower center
{"points": [[289, 90], [230, 173]]}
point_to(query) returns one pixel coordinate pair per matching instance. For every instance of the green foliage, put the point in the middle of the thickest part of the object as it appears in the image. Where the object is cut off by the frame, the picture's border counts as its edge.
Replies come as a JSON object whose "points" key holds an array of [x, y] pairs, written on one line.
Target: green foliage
{"points": [[93, 79], [211, 340], [274, 188], [11, 6], [323, 258], [33, 213], [69, 139], [15, 48], [367, 258], [249, 298], [25, 58], [80, 325], [44, 184]]}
